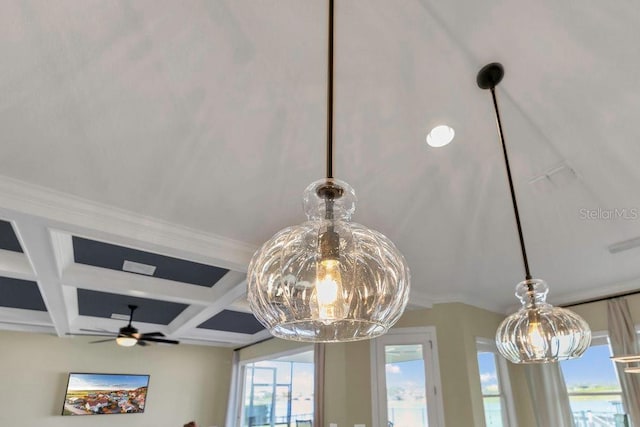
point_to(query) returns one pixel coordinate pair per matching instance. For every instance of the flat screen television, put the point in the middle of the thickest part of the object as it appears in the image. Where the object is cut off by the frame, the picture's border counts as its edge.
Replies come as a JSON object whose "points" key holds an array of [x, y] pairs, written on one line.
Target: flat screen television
{"points": [[98, 394]]}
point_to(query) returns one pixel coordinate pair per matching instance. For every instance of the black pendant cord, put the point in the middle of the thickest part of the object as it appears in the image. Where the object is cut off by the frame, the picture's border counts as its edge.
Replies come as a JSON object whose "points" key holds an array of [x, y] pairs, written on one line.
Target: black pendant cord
{"points": [[330, 192], [330, 95], [513, 192]]}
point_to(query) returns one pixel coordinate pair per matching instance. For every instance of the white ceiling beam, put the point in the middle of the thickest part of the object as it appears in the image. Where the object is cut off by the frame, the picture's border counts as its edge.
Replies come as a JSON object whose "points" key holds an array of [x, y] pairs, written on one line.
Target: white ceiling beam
{"points": [[37, 245], [24, 317], [137, 285], [231, 287], [225, 337], [70, 295], [15, 265], [62, 244]]}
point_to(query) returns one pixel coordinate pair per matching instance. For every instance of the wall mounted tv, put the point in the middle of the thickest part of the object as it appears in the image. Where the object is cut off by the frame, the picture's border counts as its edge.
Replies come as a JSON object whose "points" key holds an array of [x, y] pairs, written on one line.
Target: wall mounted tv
{"points": [[98, 394]]}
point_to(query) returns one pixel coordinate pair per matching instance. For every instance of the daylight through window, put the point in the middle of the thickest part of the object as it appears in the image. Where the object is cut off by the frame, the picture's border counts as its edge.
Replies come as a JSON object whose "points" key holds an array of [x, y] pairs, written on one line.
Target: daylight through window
{"points": [[494, 383], [278, 392], [594, 390]]}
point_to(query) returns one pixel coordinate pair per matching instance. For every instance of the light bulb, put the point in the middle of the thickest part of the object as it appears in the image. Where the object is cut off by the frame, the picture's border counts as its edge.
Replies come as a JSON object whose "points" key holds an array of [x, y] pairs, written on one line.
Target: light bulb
{"points": [[535, 336], [329, 291], [125, 341]]}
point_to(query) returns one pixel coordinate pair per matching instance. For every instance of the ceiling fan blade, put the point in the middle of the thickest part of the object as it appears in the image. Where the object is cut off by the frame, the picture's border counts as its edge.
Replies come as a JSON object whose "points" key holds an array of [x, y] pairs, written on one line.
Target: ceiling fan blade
{"points": [[153, 334], [92, 335], [95, 342], [100, 331], [160, 340], [142, 343]]}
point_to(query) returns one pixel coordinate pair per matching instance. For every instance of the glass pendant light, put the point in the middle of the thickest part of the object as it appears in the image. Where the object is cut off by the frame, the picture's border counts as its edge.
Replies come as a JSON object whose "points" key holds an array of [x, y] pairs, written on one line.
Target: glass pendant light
{"points": [[538, 332], [328, 279]]}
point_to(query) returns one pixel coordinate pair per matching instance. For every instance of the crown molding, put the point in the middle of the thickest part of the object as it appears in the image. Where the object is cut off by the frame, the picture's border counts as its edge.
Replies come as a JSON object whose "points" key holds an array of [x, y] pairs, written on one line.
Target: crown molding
{"points": [[91, 219], [600, 292], [428, 301]]}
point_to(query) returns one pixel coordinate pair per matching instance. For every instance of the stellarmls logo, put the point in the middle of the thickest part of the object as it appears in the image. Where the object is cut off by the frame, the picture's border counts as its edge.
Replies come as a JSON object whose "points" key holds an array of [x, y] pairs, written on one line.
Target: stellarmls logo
{"points": [[627, 214]]}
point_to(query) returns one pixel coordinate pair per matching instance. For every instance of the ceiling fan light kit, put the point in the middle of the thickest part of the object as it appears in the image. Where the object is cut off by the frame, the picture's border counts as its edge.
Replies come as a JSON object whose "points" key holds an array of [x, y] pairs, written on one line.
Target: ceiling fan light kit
{"points": [[328, 279], [126, 341], [538, 332]]}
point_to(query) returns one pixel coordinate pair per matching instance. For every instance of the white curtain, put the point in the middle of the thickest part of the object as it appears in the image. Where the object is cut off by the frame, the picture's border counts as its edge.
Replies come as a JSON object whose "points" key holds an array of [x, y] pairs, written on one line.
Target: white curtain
{"points": [[622, 335], [232, 410], [549, 395], [318, 385]]}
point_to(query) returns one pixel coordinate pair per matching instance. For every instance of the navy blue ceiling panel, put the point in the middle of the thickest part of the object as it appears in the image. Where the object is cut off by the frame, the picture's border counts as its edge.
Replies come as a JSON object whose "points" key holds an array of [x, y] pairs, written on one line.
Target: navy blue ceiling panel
{"points": [[8, 239], [16, 293], [233, 321], [103, 304], [105, 255]]}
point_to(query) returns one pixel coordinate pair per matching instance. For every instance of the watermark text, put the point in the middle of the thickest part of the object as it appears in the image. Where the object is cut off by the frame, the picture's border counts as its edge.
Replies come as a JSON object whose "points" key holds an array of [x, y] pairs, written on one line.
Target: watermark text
{"points": [[599, 214]]}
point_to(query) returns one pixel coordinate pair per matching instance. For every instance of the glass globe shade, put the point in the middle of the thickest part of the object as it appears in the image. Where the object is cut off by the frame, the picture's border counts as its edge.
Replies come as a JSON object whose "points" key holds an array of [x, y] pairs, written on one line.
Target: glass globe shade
{"points": [[540, 332], [125, 341], [328, 279]]}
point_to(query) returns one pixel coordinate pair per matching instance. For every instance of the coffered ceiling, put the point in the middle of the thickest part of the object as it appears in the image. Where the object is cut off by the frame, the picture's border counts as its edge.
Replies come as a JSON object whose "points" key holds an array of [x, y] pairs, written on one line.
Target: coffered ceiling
{"points": [[180, 135]]}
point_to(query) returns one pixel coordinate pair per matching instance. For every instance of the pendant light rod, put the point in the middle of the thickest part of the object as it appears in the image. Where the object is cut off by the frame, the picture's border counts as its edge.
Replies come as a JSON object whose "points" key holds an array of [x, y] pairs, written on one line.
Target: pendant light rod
{"points": [[330, 95], [488, 78]]}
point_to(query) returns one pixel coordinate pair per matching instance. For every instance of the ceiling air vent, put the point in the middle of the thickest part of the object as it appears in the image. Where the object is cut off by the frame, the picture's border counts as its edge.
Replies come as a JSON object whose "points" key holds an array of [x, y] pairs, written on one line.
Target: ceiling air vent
{"points": [[119, 316], [139, 268], [554, 178]]}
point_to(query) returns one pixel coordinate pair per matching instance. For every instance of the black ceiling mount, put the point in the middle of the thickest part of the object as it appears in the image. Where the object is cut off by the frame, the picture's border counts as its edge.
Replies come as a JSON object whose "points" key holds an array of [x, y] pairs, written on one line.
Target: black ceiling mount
{"points": [[490, 75], [132, 308]]}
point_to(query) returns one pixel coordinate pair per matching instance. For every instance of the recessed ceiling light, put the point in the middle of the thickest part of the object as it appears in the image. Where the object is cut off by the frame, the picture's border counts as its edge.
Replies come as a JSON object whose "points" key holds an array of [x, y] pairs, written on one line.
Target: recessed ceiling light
{"points": [[440, 136]]}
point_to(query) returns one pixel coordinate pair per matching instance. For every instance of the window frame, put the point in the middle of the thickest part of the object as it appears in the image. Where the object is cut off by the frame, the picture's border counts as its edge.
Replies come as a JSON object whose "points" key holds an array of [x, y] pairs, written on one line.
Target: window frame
{"points": [[424, 335], [486, 345], [598, 338], [236, 404]]}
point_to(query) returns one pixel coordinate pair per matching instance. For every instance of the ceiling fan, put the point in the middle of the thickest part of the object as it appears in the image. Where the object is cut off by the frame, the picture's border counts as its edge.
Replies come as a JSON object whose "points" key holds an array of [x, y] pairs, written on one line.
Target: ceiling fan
{"points": [[128, 336]]}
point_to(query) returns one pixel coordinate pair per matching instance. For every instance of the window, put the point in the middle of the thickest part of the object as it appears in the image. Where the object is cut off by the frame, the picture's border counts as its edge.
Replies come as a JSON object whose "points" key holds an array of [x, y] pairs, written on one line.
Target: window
{"points": [[277, 391], [406, 380], [494, 383], [594, 390]]}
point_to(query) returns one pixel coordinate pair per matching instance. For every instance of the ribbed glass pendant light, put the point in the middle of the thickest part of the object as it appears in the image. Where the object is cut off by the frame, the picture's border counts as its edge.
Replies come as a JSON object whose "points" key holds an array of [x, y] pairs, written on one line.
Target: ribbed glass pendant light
{"points": [[538, 332], [328, 279]]}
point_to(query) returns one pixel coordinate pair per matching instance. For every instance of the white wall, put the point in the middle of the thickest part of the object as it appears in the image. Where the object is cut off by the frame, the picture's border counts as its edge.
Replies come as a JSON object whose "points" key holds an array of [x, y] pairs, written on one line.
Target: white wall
{"points": [[187, 382]]}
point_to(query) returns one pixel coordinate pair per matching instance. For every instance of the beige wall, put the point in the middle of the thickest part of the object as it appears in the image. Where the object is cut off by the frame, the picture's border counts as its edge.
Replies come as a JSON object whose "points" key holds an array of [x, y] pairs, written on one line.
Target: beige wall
{"points": [[187, 382], [596, 313], [348, 368], [34, 367], [457, 328]]}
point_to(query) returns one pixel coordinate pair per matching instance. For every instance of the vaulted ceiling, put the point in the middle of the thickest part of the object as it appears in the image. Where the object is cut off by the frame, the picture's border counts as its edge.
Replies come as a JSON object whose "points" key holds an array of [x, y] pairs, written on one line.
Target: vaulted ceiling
{"points": [[187, 131]]}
